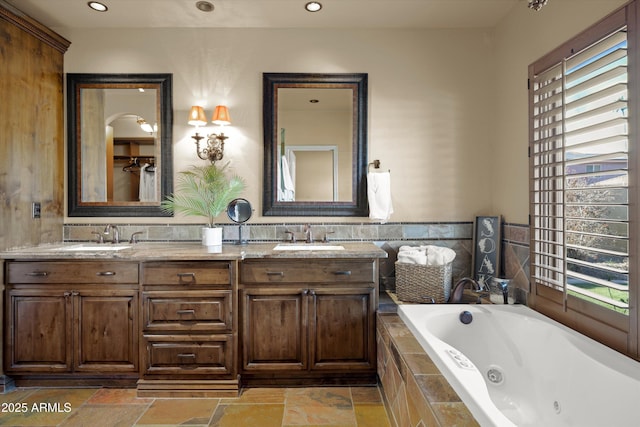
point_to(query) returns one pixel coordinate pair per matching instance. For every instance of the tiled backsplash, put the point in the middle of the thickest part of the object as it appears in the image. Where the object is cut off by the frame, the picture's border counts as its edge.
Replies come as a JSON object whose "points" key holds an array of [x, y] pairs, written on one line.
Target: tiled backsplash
{"points": [[276, 232], [390, 236]]}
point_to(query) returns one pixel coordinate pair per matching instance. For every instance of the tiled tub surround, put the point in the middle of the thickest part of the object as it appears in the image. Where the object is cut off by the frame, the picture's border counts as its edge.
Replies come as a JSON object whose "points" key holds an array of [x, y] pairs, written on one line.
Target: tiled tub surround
{"points": [[389, 236], [415, 393]]}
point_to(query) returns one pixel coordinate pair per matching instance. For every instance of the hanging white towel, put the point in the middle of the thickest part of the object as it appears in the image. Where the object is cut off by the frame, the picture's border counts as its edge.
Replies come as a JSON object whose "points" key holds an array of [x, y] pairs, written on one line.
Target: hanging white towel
{"points": [[379, 193], [147, 190], [287, 189]]}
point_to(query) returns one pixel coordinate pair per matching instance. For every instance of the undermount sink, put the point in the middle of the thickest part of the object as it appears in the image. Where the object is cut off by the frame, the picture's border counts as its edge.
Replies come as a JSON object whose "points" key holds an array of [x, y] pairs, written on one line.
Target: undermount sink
{"points": [[96, 248], [307, 247]]}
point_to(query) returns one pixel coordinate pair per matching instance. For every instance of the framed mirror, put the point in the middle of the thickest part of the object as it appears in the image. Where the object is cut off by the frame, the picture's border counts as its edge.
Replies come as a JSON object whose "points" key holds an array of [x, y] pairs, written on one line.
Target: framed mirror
{"points": [[315, 144], [119, 144]]}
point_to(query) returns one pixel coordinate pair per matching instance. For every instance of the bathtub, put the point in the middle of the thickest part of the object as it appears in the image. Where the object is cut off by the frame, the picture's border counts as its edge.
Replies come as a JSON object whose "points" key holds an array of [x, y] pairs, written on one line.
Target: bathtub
{"points": [[505, 366]]}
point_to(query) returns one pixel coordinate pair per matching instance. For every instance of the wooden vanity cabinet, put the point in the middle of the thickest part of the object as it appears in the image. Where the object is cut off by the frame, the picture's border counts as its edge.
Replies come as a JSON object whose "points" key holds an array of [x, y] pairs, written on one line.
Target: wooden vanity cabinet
{"points": [[189, 330], [308, 321], [77, 318]]}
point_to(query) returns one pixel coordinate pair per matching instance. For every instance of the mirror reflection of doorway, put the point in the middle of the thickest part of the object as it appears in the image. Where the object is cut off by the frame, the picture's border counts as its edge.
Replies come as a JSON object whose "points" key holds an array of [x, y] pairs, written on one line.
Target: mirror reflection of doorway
{"points": [[131, 175], [314, 170]]}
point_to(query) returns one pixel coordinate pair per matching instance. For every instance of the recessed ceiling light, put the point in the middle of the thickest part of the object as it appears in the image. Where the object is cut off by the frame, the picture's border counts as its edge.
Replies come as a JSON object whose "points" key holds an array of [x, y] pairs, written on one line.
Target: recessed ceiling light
{"points": [[204, 6], [313, 6], [97, 6]]}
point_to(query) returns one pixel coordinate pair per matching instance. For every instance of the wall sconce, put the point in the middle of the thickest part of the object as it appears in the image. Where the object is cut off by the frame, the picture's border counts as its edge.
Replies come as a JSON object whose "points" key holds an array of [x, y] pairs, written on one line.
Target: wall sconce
{"points": [[214, 150]]}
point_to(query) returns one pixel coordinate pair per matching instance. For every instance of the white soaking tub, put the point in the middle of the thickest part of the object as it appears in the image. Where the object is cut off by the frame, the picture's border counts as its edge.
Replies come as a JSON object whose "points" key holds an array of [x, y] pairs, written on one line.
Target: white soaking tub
{"points": [[513, 366]]}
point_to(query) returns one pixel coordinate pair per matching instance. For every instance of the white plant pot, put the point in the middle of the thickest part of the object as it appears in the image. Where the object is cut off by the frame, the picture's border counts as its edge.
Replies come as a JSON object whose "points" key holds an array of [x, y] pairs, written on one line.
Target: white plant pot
{"points": [[212, 236]]}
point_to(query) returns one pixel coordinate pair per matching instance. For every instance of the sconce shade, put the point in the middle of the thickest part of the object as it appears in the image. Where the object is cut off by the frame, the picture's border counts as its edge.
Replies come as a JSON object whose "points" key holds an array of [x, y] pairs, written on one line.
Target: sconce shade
{"points": [[221, 116], [197, 117]]}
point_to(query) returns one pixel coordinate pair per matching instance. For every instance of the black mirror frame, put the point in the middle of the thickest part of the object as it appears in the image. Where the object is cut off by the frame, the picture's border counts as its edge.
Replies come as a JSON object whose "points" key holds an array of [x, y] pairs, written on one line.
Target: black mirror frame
{"points": [[75, 208], [358, 205]]}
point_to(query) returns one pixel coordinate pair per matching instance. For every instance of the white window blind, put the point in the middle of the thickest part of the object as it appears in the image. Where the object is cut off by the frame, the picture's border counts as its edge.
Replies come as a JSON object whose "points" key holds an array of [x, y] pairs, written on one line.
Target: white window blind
{"points": [[579, 175]]}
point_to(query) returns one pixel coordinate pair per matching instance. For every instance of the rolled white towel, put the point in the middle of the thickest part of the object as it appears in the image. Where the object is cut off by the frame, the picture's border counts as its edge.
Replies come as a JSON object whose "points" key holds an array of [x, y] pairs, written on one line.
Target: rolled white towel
{"points": [[413, 257], [438, 255]]}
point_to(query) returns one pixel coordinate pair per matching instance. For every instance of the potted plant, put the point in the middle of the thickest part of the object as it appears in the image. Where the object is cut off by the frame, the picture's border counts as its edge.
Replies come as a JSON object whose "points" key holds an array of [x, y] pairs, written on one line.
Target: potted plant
{"points": [[205, 191]]}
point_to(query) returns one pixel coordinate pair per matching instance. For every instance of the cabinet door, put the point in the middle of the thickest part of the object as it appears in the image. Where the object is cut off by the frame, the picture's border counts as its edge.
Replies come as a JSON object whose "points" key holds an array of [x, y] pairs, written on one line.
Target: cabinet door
{"points": [[106, 331], [342, 328], [39, 339], [274, 329]]}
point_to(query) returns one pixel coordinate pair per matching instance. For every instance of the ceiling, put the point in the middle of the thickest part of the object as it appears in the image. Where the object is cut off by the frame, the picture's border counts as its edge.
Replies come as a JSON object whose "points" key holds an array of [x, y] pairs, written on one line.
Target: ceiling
{"points": [[59, 14]]}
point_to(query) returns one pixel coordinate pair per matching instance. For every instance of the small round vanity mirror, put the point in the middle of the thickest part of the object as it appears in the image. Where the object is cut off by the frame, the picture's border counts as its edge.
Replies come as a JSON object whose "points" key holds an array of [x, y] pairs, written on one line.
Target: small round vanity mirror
{"points": [[239, 211]]}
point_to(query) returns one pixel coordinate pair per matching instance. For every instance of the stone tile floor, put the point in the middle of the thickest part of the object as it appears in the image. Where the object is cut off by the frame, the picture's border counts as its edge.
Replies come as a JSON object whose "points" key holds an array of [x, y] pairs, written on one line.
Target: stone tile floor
{"points": [[255, 407]]}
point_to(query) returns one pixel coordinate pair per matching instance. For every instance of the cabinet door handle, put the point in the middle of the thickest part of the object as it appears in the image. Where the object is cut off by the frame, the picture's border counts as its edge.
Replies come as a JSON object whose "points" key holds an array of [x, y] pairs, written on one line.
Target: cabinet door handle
{"points": [[275, 273], [342, 273], [188, 311], [106, 273], [67, 294], [37, 274], [187, 355]]}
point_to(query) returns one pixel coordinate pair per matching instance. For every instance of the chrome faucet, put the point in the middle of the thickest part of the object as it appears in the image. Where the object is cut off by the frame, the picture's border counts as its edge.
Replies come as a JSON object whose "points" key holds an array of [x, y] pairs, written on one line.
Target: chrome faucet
{"points": [[308, 233], [116, 233], [503, 285], [458, 288]]}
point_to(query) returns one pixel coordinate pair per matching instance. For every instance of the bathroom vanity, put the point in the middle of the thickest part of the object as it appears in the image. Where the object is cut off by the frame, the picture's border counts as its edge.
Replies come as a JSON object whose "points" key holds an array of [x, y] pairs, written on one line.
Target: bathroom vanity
{"points": [[175, 320]]}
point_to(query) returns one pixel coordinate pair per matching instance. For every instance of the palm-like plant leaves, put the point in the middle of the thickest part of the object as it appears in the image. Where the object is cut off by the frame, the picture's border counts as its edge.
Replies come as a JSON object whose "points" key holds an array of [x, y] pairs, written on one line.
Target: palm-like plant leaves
{"points": [[204, 191]]}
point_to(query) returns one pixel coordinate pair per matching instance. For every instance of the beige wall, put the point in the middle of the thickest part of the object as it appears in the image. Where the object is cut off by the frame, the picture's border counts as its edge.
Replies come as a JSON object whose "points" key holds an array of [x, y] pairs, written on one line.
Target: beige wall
{"points": [[520, 40], [454, 139]]}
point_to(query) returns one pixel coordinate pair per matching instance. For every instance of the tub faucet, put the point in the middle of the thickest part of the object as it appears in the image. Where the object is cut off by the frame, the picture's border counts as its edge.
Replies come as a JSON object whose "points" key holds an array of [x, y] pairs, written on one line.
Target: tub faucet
{"points": [[458, 288], [503, 285]]}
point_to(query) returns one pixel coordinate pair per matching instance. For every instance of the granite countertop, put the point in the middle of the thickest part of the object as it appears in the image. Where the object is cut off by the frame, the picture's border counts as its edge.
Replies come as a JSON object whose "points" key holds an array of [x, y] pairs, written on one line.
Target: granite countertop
{"points": [[177, 251]]}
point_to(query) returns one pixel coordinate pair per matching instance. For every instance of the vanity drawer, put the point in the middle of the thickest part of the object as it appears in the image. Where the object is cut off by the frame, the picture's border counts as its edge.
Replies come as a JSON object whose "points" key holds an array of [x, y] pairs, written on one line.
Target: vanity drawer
{"points": [[188, 310], [193, 355], [307, 271], [72, 272], [187, 273]]}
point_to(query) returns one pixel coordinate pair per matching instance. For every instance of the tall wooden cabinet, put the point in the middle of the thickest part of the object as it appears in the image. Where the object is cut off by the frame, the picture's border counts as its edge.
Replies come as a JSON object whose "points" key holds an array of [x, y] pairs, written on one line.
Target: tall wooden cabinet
{"points": [[31, 129]]}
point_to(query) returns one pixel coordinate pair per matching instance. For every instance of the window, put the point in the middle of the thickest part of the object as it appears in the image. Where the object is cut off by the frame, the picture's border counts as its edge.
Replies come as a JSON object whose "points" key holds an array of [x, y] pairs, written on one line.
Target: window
{"points": [[579, 168]]}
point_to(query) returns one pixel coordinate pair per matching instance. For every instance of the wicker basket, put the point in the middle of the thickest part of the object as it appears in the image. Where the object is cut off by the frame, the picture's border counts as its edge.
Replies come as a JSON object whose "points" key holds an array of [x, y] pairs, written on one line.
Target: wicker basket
{"points": [[421, 283]]}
